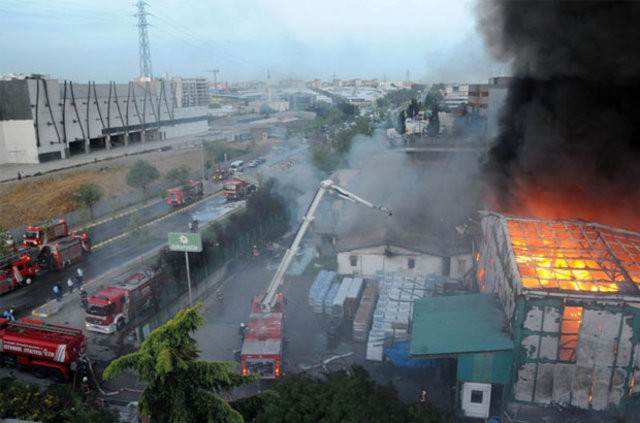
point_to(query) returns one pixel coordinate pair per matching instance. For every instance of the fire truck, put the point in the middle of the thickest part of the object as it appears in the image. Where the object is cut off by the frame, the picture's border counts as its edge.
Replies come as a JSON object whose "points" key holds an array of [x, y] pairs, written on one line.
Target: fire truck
{"points": [[64, 252], [18, 268], [239, 187], [130, 295], [186, 194], [42, 234], [262, 346], [45, 349], [221, 174]]}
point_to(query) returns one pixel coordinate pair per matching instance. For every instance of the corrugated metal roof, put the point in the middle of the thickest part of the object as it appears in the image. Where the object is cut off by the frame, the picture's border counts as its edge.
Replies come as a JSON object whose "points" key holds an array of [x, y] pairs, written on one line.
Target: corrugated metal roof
{"points": [[459, 324], [490, 367], [575, 256]]}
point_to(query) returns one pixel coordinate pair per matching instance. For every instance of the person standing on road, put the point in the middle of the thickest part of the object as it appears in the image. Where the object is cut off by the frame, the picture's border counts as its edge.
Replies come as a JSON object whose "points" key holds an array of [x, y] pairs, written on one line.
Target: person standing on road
{"points": [[70, 284], [83, 298], [79, 276], [57, 291]]}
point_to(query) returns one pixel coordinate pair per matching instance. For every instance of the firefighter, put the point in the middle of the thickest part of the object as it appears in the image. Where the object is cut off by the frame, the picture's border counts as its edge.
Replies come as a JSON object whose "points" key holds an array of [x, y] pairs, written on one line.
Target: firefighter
{"points": [[83, 298], [424, 397], [70, 285], [57, 291], [219, 297], [79, 276], [255, 252], [8, 314]]}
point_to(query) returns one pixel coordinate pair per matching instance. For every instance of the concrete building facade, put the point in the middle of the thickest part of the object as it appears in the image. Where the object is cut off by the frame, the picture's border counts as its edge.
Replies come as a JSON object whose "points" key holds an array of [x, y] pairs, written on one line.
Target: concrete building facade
{"points": [[486, 100], [46, 119]]}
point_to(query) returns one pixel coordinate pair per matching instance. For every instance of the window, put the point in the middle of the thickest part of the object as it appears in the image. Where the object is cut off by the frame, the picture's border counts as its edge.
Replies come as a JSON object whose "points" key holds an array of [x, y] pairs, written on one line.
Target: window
{"points": [[353, 260], [476, 396], [411, 263], [571, 321]]}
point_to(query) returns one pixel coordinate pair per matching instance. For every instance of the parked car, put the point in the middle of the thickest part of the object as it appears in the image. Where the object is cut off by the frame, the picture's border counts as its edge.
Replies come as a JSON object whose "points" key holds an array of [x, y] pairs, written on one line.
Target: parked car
{"points": [[256, 162]]}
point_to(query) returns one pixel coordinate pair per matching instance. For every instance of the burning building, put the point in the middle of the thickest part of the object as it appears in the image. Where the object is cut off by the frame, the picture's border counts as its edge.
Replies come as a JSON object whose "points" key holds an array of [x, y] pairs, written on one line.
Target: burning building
{"points": [[571, 294]]}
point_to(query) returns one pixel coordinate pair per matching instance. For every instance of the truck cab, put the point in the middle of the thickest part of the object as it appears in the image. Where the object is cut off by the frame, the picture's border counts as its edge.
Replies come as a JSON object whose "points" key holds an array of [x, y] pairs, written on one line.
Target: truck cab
{"points": [[42, 234], [111, 308]]}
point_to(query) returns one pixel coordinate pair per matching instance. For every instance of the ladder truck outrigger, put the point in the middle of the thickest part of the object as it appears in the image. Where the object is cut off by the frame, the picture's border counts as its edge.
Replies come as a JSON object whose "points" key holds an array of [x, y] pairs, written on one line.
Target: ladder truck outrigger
{"points": [[262, 344]]}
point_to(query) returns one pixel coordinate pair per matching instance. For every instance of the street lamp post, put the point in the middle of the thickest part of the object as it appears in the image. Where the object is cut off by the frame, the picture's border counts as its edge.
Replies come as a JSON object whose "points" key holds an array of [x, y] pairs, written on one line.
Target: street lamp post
{"points": [[186, 257], [202, 159]]}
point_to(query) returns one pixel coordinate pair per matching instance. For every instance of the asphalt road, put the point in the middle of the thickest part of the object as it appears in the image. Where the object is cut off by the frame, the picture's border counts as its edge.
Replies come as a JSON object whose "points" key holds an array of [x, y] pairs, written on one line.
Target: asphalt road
{"points": [[307, 341], [113, 248]]}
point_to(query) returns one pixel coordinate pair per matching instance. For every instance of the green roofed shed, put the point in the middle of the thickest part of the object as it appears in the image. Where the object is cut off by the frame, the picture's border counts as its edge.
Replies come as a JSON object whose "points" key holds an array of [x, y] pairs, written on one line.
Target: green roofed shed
{"points": [[459, 324]]}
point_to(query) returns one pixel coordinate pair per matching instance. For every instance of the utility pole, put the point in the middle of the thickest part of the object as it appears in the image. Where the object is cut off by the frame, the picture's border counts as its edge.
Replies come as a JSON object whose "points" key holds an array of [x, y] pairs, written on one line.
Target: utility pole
{"points": [[215, 79]]}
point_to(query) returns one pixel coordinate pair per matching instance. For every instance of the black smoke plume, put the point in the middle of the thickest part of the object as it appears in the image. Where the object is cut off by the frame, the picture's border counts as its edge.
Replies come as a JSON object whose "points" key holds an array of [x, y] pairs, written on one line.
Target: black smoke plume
{"points": [[571, 122]]}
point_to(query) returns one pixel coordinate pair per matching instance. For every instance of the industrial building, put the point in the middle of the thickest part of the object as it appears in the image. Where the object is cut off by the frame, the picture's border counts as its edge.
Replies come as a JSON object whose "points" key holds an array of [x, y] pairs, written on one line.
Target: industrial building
{"points": [[46, 119], [566, 294]]}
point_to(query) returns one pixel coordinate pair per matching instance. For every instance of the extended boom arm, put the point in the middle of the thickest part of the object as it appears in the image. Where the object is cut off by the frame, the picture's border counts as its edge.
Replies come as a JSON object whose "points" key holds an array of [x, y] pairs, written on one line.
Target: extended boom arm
{"points": [[268, 302]]}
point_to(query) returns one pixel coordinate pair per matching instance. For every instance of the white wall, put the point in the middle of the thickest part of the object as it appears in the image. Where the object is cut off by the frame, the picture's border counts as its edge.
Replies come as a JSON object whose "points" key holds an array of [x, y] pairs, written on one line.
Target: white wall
{"points": [[18, 142], [371, 260]]}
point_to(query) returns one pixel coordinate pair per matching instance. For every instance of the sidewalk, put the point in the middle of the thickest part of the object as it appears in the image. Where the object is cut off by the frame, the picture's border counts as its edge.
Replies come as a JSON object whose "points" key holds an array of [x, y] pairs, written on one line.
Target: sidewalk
{"points": [[9, 172]]}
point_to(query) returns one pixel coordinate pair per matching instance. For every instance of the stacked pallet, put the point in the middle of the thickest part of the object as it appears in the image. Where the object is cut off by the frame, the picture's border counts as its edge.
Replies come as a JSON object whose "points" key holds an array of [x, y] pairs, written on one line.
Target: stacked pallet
{"points": [[331, 295], [319, 289], [364, 313], [393, 312], [337, 308], [353, 298]]}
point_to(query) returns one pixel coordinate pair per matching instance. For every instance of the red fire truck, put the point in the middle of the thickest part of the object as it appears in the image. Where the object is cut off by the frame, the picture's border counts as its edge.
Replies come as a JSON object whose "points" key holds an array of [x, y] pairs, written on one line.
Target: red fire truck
{"points": [[186, 194], [221, 174], [261, 351], [129, 295], [64, 252], [45, 349], [18, 268], [239, 187], [45, 233]]}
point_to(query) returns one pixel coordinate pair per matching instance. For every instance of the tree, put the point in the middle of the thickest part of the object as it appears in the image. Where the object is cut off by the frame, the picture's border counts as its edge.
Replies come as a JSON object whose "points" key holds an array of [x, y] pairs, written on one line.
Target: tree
{"points": [[433, 127], [58, 404], [413, 108], [142, 174], [344, 396], [6, 241], [402, 126], [180, 387], [87, 195], [178, 175]]}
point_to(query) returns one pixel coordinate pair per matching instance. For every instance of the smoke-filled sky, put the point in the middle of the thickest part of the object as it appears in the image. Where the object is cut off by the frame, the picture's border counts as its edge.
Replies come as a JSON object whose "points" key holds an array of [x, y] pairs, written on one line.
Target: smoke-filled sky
{"points": [[80, 40], [569, 145]]}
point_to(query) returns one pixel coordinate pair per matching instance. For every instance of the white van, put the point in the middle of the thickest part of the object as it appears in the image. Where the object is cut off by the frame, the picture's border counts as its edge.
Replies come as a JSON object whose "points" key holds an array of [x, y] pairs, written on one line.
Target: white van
{"points": [[237, 166]]}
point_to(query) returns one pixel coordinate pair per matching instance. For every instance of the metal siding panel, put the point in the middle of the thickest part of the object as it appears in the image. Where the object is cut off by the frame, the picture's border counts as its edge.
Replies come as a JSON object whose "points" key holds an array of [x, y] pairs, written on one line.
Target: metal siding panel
{"points": [[544, 384], [562, 381], [530, 345], [581, 387], [533, 320], [600, 398], [551, 319], [549, 347], [524, 384], [618, 387], [625, 344]]}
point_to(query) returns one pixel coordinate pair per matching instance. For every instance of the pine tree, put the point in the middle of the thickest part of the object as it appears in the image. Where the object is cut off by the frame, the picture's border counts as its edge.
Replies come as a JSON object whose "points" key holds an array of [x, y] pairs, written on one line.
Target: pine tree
{"points": [[180, 387]]}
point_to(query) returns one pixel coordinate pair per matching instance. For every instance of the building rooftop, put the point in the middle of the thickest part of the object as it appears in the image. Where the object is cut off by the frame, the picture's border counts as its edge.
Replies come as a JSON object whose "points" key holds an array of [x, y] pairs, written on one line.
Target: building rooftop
{"points": [[575, 256]]}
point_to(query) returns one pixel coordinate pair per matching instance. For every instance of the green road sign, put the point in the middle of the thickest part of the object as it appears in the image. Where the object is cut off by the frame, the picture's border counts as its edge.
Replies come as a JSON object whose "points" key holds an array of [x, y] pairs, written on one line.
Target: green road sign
{"points": [[185, 241]]}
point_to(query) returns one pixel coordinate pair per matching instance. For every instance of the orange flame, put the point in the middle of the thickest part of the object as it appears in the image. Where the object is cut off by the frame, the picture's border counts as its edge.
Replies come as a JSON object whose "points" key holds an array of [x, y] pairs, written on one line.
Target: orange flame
{"points": [[572, 257], [612, 206]]}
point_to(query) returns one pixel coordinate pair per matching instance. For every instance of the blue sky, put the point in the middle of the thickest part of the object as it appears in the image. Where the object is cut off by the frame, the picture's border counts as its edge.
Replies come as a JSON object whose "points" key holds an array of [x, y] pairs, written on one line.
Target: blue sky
{"points": [[97, 40]]}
